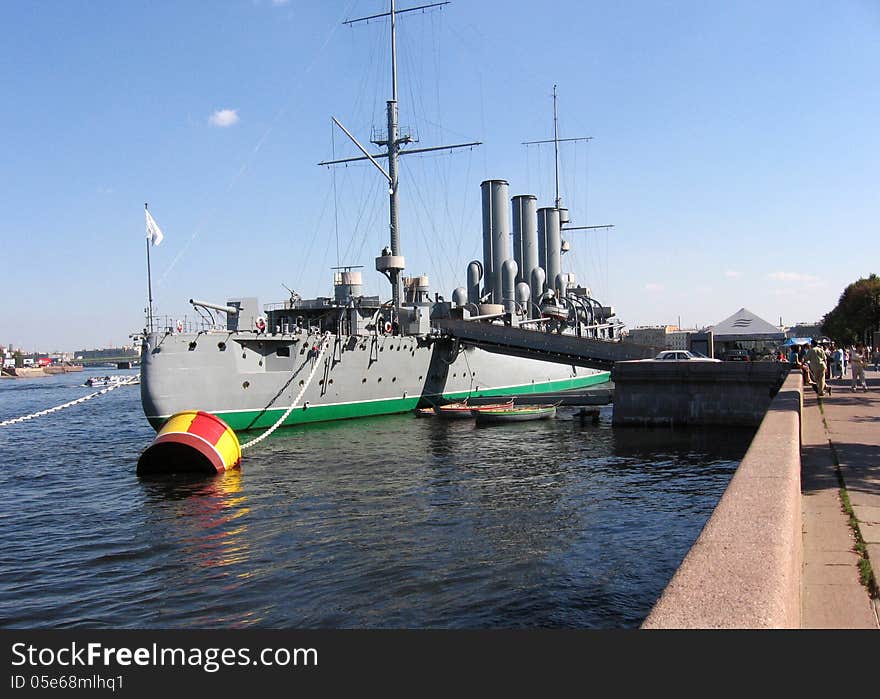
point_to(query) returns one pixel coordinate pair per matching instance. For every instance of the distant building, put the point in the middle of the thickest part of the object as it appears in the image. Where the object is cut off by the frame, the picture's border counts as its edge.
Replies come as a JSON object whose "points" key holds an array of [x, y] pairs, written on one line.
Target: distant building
{"points": [[650, 335], [661, 336], [108, 352]]}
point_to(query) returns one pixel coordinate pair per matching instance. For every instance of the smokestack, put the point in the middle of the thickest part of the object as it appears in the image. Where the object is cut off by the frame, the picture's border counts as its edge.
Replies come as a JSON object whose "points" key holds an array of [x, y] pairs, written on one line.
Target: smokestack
{"points": [[496, 229], [525, 235], [549, 243]]}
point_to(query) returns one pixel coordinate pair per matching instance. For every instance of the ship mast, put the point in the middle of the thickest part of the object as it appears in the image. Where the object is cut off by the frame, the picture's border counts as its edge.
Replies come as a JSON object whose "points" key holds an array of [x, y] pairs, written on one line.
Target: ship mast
{"points": [[556, 141], [391, 263]]}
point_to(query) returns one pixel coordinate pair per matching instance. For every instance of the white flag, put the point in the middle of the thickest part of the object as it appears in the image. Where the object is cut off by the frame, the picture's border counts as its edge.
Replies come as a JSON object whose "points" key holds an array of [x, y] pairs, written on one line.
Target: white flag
{"points": [[154, 233]]}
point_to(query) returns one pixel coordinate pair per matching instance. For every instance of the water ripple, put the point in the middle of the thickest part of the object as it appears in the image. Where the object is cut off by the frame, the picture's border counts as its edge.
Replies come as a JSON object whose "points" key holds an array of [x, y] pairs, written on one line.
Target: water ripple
{"points": [[382, 523]]}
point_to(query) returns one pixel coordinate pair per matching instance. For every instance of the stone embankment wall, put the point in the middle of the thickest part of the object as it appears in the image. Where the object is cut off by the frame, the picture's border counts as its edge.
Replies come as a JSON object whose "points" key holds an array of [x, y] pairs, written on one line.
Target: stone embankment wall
{"points": [[744, 569], [694, 393]]}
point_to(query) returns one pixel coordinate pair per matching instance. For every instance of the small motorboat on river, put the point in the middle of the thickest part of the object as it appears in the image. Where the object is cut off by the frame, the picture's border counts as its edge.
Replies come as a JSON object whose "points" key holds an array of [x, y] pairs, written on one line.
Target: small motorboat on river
{"points": [[115, 380]]}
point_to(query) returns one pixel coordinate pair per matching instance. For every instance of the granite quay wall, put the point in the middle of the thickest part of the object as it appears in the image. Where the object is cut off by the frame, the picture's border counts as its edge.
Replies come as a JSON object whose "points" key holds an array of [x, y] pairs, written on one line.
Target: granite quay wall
{"points": [[694, 393], [744, 570]]}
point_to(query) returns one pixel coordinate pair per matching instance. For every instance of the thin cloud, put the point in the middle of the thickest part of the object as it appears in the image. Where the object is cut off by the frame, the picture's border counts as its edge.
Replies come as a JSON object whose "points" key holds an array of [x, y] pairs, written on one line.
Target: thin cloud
{"points": [[224, 118], [792, 277], [654, 287]]}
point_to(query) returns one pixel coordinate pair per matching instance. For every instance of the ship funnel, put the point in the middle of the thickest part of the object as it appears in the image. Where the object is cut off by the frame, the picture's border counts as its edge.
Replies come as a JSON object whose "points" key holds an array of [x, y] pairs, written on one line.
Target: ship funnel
{"points": [[549, 243], [508, 286], [474, 276], [525, 235], [496, 230]]}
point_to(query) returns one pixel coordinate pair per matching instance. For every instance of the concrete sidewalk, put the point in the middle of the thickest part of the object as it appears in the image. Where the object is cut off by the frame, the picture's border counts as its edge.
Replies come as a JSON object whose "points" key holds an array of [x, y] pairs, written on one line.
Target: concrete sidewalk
{"points": [[846, 430]]}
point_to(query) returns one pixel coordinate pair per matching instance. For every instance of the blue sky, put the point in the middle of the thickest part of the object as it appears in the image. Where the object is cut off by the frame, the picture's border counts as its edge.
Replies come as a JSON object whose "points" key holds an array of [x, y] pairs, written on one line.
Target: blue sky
{"points": [[735, 150]]}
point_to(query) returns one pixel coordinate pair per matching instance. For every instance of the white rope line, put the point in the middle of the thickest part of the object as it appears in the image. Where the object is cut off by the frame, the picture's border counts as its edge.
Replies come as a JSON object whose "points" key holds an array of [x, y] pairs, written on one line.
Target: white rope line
{"points": [[23, 418], [287, 413]]}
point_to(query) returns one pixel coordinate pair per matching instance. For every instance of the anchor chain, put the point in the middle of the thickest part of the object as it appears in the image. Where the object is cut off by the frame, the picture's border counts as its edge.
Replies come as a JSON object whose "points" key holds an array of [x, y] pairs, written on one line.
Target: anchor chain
{"points": [[308, 381], [23, 418]]}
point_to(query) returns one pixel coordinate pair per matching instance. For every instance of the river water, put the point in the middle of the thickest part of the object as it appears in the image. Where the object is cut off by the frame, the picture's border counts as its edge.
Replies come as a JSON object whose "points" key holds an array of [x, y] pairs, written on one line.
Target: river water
{"points": [[392, 522]]}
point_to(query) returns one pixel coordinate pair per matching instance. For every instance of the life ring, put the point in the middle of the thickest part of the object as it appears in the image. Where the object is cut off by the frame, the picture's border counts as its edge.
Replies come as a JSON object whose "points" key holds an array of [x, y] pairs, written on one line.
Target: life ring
{"points": [[180, 326], [388, 327], [261, 324]]}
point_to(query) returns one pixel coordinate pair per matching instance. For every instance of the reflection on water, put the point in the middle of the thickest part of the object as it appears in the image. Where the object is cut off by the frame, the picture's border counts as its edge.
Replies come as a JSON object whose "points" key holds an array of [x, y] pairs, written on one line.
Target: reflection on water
{"points": [[385, 522]]}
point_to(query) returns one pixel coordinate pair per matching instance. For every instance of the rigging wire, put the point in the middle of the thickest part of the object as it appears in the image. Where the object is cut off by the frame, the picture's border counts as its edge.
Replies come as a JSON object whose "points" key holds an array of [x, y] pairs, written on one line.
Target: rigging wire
{"points": [[256, 149], [335, 197]]}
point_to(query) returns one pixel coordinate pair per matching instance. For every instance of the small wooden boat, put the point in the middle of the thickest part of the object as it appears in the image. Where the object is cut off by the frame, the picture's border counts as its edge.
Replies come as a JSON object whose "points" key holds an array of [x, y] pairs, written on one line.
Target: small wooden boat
{"points": [[520, 413], [461, 410], [424, 412]]}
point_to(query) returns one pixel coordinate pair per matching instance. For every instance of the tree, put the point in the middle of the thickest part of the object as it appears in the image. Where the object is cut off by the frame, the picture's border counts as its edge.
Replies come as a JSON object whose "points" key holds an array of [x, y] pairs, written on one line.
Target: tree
{"points": [[857, 313]]}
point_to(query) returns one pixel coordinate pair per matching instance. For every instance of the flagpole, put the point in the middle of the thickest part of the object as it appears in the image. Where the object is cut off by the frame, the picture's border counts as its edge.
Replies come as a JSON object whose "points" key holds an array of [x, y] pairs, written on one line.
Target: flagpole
{"points": [[149, 281]]}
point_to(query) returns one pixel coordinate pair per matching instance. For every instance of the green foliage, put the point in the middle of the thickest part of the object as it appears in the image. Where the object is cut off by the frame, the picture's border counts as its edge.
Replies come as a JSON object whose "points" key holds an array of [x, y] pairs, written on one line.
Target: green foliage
{"points": [[857, 312]]}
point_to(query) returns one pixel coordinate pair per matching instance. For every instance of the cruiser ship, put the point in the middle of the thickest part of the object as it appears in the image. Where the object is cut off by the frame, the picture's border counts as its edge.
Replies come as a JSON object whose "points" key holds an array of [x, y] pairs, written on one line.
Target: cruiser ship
{"points": [[348, 355]]}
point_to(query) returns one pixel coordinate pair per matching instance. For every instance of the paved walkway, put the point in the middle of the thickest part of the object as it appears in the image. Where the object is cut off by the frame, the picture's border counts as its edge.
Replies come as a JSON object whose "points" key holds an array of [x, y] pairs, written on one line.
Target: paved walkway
{"points": [[846, 430]]}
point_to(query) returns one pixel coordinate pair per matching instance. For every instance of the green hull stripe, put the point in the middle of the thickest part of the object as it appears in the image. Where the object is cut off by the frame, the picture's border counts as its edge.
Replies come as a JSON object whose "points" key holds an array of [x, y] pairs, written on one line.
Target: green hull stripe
{"points": [[253, 419], [545, 387]]}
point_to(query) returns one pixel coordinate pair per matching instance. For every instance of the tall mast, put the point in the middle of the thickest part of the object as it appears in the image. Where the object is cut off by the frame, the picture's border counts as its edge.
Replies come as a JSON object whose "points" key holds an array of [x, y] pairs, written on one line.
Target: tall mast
{"points": [[392, 264], [556, 141], [393, 149], [556, 148]]}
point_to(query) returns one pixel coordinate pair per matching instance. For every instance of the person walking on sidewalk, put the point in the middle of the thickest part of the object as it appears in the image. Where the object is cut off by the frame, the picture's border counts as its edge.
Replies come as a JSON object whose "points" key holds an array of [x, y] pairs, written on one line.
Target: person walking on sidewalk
{"points": [[817, 361], [836, 362], [857, 363]]}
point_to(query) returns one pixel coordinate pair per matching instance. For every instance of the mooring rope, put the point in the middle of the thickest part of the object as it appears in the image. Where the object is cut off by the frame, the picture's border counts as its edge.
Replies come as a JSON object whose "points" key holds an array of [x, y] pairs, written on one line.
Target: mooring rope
{"points": [[23, 418], [302, 391]]}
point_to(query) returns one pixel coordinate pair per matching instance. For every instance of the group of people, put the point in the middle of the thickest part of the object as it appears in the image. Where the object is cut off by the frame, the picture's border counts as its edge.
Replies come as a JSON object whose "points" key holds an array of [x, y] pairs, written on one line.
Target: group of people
{"points": [[823, 362]]}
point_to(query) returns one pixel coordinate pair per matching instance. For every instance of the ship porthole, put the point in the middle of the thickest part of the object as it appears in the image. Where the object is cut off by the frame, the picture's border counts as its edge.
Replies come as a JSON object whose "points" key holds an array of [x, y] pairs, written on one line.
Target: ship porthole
{"points": [[221, 346], [246, 384], [393, 379]]}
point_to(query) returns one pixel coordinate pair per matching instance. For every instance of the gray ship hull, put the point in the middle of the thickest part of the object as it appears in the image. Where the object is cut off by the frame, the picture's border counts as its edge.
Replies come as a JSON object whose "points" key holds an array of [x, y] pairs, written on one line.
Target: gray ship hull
{"points": [[251, 380]]}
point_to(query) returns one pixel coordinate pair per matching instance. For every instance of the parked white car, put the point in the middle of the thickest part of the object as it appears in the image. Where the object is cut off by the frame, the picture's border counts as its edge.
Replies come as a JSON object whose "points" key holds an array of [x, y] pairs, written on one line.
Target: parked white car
{"points": [[681, 355]]}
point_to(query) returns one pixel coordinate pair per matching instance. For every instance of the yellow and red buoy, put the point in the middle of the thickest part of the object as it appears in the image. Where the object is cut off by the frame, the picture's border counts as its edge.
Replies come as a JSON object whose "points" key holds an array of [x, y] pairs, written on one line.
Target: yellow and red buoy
{"points": [[191, 441]]}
